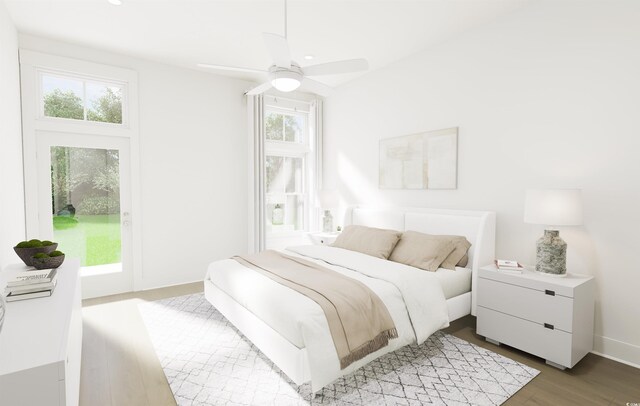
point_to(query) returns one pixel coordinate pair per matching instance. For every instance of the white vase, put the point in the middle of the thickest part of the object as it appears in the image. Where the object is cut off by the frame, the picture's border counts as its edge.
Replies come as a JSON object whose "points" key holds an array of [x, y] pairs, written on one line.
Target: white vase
{"points": [[327, 222], [277, 218]]}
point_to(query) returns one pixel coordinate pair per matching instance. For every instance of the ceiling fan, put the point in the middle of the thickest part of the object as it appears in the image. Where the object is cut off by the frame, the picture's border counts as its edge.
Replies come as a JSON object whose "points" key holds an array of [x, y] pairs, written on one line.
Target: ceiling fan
{"points": [[285, 74]]}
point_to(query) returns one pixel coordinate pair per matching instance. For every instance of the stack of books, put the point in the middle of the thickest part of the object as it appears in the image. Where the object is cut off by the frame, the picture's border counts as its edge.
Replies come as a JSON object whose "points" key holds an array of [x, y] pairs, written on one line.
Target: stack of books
{"points": [[31, 284], [505, 265]]}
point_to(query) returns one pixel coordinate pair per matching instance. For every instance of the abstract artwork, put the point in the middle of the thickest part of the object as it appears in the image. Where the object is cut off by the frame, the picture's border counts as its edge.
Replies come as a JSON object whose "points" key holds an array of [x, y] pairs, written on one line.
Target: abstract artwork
{"points": [[426, 160]]}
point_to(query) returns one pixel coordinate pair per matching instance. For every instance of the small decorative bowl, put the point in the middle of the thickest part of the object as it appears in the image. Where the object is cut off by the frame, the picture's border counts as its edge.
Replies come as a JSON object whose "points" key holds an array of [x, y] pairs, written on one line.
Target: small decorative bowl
{"points": [[26, 254], [47, 263]]}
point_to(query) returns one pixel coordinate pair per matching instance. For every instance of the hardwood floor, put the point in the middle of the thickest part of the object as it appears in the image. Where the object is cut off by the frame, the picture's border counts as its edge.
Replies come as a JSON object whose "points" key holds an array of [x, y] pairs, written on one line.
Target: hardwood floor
{"points": [[119, 365], [120, 368], [593, 381]]}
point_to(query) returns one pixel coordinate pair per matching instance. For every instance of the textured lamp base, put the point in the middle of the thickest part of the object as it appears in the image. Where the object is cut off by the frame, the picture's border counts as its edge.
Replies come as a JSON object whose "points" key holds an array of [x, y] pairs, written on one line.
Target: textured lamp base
{"points": [[551, 254]]}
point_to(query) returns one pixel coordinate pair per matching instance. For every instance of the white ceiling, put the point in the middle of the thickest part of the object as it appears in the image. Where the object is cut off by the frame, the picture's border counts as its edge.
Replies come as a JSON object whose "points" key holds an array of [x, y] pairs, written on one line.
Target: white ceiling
{"points": [[229, 32]]}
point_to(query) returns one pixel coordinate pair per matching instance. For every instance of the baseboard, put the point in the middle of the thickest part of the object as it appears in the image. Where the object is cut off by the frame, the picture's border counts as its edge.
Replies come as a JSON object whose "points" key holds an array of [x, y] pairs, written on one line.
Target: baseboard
{"points": [[173, 284], [619, 351]]}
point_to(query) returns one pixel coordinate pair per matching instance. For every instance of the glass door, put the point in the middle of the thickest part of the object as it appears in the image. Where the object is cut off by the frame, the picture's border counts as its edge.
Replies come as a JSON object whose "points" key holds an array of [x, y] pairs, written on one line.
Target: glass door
{"points": [[85, 206]]}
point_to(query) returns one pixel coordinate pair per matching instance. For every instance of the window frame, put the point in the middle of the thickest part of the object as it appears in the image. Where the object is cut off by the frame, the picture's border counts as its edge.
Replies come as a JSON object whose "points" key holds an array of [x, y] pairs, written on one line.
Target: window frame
{"points": [[287, 112], [85, 79], [303, 195], [34, 126], [292, 149]]}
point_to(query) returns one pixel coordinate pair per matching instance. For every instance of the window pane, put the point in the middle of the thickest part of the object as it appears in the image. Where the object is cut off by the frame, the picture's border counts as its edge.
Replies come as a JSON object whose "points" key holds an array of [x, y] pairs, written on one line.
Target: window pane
{"points": [[273, 126], [293, 128], [294, 175], [62, 97], [285, 188], [85, 192], [104, 103], [284, 213], [294, 211], [275, 174]]}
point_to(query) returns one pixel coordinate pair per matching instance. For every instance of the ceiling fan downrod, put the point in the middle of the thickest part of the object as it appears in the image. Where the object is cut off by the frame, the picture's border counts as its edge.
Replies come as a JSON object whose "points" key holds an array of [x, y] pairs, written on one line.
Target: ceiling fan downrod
{"points": [[285, 19]]}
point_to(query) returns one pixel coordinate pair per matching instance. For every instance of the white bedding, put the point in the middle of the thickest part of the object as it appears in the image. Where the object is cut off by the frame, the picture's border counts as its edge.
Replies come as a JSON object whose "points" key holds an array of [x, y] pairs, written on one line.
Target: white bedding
{"points": [[414, 298], [454, 283]]}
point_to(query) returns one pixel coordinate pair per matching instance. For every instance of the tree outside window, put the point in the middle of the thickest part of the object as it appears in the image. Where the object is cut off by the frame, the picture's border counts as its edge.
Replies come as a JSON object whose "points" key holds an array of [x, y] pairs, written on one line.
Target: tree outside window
{"points": [[64, 98]]}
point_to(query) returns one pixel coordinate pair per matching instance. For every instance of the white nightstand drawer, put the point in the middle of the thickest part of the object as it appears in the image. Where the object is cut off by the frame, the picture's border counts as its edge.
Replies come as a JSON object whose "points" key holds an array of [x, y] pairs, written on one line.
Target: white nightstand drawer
{"points": [[529, 304], [552, 345], [323, 238]]}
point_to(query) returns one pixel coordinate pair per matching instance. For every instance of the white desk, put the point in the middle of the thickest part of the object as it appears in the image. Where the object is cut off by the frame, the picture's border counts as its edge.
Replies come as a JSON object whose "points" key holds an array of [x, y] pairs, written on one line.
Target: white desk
{"points": [[41, 344]]}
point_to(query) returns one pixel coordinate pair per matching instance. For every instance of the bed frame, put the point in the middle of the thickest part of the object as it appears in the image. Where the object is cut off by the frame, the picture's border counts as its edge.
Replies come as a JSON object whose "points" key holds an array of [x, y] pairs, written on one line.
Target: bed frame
{"points": [[477, 226]]}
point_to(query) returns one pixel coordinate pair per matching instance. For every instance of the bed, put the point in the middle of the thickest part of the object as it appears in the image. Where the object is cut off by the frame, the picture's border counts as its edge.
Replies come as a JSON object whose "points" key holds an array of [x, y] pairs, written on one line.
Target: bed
{"points": [[290, 329]]}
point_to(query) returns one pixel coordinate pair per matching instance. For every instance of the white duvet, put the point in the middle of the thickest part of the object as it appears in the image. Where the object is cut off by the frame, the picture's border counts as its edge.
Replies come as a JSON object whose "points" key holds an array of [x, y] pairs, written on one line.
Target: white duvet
{"points": [[413, 297]]}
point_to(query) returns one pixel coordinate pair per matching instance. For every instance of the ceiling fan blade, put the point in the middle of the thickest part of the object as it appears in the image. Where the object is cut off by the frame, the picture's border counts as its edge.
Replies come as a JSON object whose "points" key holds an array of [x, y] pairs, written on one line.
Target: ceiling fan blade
{"points": [[278, 49], [312, 86], [332, 68], [259, 89], [231, 68]]}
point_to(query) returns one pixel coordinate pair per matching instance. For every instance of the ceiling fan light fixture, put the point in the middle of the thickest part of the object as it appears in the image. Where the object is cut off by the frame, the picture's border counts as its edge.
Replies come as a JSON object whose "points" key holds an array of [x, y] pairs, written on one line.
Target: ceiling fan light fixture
{"points": [[286, 80], [286, 84]]}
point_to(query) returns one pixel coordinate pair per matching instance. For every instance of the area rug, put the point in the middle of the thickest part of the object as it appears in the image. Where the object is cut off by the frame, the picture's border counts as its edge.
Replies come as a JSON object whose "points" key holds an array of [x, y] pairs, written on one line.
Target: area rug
{"points": [[207, 361]]}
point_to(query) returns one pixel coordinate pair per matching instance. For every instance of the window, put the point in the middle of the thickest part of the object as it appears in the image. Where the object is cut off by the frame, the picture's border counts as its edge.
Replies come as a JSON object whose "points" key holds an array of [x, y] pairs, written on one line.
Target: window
{"points": [[285, 193], [289, 168], [75, 98], [284, 127]]}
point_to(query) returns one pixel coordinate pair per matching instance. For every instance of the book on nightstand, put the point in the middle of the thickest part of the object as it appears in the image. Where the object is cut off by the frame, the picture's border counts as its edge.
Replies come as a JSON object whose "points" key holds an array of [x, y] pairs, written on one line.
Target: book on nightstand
{"points": [[508, 266]]}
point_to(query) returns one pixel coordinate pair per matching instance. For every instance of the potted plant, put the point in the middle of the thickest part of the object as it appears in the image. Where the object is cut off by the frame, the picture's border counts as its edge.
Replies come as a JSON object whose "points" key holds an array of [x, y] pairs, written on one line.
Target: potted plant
{"points": [[42, 260], [27, 249]]}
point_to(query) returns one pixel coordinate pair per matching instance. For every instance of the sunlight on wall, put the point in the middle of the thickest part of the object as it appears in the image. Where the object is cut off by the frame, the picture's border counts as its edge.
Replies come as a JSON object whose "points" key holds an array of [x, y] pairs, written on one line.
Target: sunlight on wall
{"points": [[355, 188]]}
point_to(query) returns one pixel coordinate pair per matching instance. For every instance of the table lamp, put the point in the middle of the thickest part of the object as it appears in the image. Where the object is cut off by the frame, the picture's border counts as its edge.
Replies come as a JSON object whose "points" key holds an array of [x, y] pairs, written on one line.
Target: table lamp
{"points": [[329, 199], [553, 207]]}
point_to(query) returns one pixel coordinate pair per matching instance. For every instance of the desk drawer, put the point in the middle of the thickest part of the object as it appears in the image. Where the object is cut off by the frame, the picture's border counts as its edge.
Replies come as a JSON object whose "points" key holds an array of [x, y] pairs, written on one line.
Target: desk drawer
{"points": [[529, 304], [552, 345]]}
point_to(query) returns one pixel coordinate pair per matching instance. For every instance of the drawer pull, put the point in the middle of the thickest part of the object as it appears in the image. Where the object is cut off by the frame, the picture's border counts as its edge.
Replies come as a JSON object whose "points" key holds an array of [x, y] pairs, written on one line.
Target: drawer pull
{"points": [[549, 292], [549, 326]]}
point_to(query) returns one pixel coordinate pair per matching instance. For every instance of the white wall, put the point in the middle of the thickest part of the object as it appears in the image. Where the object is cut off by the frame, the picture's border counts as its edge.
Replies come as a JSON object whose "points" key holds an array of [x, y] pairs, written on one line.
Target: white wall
{"points": [[546, 97], [193, 143], [12, 228]]}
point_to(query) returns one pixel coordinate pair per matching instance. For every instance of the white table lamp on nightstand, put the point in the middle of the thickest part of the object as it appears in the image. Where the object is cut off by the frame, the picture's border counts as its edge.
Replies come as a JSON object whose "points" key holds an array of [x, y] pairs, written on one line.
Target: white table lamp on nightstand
{"points": [[553, 207], [329, 199]]}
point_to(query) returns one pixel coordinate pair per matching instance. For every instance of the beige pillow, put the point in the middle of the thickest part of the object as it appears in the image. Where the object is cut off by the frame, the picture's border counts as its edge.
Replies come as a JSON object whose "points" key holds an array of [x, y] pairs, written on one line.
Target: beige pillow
{"points": [[422, 251], [464, 261], [371, 241], [459, 253]]}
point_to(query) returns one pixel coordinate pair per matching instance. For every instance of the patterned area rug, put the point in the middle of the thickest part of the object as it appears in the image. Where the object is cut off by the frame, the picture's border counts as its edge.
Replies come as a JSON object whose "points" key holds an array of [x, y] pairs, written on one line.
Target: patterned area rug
{"points": [[207, 361]]}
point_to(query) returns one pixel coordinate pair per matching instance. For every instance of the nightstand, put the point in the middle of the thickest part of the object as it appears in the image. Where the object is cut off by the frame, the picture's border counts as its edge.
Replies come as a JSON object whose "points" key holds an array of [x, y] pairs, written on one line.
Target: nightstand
{"points": [[323, 238], [546, 316]]}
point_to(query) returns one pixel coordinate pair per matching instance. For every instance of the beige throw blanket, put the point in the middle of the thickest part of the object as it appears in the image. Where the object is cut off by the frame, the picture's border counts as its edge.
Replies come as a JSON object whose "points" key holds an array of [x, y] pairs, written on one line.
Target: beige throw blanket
{"points": [[359, 322]]}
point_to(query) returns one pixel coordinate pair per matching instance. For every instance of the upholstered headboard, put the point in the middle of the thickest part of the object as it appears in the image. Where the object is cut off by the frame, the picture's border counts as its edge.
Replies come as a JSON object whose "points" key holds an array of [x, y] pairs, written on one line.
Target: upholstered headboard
{"points": [[479, 227]]}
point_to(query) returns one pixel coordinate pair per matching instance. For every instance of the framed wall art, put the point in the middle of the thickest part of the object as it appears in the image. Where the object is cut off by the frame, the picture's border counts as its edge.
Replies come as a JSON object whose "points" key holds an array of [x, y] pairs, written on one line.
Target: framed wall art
{"points": [[427, 160]]}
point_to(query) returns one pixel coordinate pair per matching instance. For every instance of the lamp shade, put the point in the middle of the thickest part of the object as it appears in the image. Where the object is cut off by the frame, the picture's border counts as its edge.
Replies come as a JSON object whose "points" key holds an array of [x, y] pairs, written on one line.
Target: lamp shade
{"points": [[553, 207], [329, 199]]}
